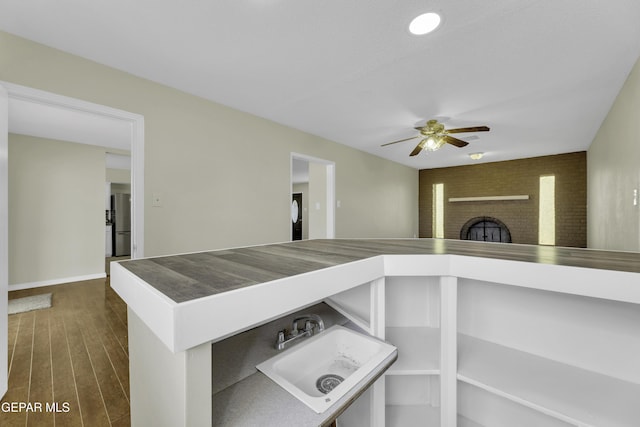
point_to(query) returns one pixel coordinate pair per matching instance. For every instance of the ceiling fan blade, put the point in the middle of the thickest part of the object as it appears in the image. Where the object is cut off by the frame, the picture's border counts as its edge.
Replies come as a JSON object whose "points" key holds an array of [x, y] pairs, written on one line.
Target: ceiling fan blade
{"points": [[417, 150], [471, 129], [455, 141], [401, 140]]}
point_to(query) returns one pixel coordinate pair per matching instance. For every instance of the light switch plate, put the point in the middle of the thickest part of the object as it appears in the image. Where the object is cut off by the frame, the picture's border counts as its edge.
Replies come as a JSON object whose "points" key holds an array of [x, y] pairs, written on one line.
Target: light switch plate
{"points": [[156, 199]]}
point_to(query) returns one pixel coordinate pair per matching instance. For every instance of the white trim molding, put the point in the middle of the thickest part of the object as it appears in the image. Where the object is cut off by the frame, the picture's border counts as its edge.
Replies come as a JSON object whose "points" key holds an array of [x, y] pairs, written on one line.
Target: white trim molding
{"points": [[4, 236], [330, 185], [60, 281], [136, 122]]}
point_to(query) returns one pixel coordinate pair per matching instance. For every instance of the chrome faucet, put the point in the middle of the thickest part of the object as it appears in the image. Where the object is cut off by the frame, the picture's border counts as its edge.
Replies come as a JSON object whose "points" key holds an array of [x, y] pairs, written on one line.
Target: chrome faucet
{"points": [[309, 320], [313, 324]]}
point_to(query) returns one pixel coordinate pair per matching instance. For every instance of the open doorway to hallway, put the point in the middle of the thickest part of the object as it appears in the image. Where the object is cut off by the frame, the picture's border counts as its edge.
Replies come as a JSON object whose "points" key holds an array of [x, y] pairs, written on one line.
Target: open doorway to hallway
{"points": [[12, 98], [312, 198], [47, 120], [118, 207]]}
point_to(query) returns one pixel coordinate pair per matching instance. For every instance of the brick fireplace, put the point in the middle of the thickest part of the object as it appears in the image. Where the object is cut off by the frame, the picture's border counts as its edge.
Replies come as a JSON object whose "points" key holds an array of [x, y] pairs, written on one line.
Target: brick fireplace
{"points": [[485, 228]]}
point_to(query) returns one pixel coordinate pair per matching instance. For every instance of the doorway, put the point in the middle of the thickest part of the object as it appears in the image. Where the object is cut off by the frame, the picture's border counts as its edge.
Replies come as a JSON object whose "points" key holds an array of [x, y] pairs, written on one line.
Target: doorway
{"points": [[314, 179], [117, 129], [296, 216]]}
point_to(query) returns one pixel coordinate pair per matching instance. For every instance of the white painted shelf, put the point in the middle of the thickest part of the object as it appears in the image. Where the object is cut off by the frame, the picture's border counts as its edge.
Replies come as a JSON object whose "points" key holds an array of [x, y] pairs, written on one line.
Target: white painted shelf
{"points": [[559, 390], [412, 415], [419, 415], [418, 350], [466, 422]]}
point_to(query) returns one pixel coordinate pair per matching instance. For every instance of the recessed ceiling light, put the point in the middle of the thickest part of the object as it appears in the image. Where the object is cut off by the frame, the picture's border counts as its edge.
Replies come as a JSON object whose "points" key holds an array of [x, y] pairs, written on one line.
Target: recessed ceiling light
{"points": [[476, 156], [424, 23]]}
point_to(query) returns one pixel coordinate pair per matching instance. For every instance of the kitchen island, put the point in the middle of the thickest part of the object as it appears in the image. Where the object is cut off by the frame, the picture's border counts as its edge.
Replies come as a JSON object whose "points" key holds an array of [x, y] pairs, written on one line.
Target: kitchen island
{"points": [[179, 305]]}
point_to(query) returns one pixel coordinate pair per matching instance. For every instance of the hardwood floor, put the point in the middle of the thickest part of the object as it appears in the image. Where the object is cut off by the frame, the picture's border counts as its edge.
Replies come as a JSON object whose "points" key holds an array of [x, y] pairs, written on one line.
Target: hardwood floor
{"points": [[74, 354]]}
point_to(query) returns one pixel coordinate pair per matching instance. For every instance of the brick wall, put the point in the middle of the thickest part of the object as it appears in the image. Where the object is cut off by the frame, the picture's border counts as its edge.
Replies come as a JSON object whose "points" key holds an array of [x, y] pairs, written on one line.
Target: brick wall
{"points": [[514, 177]]}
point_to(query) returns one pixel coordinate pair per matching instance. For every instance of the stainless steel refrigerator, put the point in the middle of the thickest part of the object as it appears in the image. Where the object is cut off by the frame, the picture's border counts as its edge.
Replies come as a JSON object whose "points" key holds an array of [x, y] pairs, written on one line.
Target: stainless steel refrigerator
{"points": [[121, 219]]}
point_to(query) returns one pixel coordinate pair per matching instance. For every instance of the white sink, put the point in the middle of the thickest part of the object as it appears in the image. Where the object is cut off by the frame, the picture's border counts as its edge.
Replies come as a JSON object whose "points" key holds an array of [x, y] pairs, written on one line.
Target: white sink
{"points": [[336, 351]]}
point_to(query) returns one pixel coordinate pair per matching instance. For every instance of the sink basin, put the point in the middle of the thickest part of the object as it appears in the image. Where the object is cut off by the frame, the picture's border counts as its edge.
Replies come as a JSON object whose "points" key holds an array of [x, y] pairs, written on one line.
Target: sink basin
{"points": [[323, 368]]}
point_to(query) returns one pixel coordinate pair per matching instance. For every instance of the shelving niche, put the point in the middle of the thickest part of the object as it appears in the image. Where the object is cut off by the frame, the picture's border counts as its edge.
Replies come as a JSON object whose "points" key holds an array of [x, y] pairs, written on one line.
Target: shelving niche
{"points": [[412, 400], [546, 358], [412, 320], [474, 401], [525, 357]]}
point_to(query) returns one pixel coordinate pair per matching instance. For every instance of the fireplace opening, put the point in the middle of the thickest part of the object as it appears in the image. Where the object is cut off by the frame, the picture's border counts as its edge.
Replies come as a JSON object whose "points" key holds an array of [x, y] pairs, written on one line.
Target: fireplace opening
{"points": [[487, 229]]}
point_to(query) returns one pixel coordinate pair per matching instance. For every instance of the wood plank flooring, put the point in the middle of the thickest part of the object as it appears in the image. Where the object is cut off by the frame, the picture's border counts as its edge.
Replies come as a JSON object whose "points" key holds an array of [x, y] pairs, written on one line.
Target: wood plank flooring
{"points": [[74, 355]]}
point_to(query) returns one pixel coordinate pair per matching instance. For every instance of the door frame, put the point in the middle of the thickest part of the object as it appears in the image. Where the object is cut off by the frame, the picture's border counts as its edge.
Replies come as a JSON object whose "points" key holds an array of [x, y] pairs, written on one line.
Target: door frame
{"points": [[10, 91], [136, 122], [331, 191], [4, 239]]}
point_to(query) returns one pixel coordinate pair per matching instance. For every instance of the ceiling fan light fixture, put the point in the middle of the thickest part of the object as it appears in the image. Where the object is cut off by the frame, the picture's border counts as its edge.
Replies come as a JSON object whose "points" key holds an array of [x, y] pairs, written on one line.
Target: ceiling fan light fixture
{"points": [[433, 143], [476, 156], [433, 135], [425, 23]]}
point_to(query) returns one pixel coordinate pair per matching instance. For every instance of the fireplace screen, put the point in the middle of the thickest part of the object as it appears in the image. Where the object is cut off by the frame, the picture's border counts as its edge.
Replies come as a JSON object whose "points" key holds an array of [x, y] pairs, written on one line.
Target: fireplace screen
{"points": [[485, 229]]}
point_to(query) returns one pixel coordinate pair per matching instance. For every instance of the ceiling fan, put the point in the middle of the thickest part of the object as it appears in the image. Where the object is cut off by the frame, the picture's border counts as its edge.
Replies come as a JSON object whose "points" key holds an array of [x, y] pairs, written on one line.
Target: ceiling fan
{"points": [[434, 136]]}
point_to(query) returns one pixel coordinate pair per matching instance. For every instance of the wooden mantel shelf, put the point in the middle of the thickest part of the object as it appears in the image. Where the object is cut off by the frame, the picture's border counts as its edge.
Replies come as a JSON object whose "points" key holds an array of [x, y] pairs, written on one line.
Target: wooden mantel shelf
{"points": [[489, 198]]}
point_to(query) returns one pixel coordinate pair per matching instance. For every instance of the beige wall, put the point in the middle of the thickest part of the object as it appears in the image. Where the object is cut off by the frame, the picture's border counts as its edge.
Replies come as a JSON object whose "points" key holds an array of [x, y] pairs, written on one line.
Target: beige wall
{"points": [[56, 210], [119, 175], [224, 175], [613, 173]]}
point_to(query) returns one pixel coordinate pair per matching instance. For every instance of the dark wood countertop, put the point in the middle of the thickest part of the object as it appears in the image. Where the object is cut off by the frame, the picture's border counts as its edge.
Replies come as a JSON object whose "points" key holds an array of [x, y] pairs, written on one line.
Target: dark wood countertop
{"points": [[190, 276]]}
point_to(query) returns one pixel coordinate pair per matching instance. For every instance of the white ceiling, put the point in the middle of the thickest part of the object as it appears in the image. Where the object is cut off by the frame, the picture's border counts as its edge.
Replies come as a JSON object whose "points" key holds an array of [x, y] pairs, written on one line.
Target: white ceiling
{"points": [[542, 74]]}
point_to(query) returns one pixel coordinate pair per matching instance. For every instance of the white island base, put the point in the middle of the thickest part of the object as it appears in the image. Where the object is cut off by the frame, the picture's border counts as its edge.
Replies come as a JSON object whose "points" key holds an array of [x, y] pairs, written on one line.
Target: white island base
{"points": [[481, 342]]}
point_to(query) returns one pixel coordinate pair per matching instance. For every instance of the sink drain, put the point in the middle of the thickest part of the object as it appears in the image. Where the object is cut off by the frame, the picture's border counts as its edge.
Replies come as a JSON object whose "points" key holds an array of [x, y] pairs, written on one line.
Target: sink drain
{"points": [[328, 382]]}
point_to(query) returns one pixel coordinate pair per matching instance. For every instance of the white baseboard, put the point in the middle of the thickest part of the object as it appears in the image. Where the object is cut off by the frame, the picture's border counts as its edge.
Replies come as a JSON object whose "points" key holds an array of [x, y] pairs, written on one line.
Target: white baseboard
{"points": [[29, 285]]}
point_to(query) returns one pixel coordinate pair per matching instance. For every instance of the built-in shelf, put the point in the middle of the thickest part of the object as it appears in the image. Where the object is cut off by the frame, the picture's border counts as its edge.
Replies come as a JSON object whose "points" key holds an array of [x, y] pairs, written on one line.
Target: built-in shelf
{"points": [[565, 392], [411, 415], [466, 422], [418, 350], [349, 313], [489, 198], [419, 415]]}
